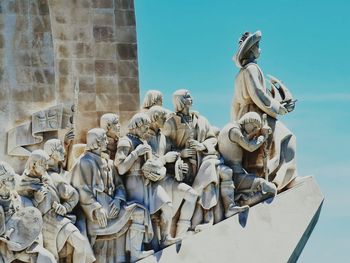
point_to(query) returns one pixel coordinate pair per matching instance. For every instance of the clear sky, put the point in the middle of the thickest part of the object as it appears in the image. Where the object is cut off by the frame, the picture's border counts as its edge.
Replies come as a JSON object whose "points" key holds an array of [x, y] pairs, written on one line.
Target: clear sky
{"points": [[189, 44]]}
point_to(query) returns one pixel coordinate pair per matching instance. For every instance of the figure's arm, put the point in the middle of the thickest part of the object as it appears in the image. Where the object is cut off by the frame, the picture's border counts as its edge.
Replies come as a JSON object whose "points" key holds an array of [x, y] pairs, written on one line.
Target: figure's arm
{"points": [[235, 135], [87, 199], [124, 158], [209, 141], [73, 199], [258, 93]]}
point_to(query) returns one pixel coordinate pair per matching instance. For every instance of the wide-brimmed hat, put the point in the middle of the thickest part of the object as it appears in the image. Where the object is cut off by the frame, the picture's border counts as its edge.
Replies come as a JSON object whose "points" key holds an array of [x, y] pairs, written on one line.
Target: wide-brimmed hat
{"points": [[245, 43]]}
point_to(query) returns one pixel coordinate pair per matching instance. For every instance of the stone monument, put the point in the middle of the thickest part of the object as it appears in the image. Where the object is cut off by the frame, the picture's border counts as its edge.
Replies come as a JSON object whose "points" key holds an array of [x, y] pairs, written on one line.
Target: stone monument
{"points": [[79, 185]]}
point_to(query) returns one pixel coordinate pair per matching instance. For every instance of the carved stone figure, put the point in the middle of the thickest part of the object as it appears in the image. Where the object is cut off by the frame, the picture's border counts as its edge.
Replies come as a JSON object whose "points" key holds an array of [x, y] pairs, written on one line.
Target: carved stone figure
{"points": [[103, 200], [191, 134], [251, 94], [132, 152], [69, 196], [20, 227], [58, 230], [249, 135], [180, 193], [152, 98], [110, 123]]}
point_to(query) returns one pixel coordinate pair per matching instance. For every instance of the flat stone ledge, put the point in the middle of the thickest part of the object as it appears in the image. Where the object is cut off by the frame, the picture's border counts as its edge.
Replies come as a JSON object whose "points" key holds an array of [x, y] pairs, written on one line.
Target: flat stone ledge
{"points": [[269, 232]]}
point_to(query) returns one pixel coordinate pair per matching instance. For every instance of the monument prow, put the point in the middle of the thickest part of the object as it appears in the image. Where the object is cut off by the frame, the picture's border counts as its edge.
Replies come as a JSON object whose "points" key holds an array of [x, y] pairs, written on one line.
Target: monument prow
{"points": [[270, 232]]}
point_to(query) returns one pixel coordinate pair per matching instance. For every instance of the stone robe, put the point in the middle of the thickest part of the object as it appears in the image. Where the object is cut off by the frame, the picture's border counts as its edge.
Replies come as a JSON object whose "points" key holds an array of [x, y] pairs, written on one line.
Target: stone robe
{"points": [[203, 175], [57, 229], [35, 253], [175, 190], [98, 185], [138, 188], [251, 94]]}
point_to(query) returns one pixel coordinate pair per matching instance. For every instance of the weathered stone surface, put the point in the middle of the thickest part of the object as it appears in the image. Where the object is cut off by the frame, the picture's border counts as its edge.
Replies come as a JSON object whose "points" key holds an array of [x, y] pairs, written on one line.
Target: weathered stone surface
{"points": [[127, 51], [279, 229], [52, 50]]}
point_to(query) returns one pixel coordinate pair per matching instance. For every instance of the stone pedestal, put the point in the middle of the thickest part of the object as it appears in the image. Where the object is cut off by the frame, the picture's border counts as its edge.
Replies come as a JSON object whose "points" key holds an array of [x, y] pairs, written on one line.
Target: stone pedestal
{"points": [[269, 232]]}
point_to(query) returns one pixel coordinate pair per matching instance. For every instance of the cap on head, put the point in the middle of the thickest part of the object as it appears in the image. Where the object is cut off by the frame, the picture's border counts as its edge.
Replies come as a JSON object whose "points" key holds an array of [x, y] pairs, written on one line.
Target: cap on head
{"points": [[52, 145], [152, 97], [177, 99], [157, 112], [93, 137], [138, 120], [107, 119], [250, 117], [37, 156], [246, 41]]}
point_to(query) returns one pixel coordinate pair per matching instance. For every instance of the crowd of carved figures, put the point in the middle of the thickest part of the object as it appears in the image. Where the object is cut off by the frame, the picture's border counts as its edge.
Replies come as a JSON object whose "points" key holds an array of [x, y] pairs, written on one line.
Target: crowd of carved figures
{"points": [[171, 175]]}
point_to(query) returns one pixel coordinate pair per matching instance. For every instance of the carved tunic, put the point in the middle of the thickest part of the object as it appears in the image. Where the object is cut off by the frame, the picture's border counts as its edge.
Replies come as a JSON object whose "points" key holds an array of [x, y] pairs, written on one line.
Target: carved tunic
{"points": [[251, 93], [138, 189], [175, 190], [202, 170]]}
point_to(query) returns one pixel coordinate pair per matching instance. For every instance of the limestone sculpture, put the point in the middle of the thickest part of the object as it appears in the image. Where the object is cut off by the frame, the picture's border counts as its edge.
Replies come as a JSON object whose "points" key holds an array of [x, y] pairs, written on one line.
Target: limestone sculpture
{"points": [[58, 229], [113, 224], [20, 227], [179, 192], [132, 152], [152, 98], [192, 134], [247, 134], [114, 198], [251, 94]]}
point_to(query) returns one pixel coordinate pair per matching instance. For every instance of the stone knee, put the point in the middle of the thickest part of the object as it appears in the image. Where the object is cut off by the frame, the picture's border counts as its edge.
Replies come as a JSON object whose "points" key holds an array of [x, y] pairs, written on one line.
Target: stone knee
{"points": [[191, 196], [167, 212], [138, 216], [225, 173]]}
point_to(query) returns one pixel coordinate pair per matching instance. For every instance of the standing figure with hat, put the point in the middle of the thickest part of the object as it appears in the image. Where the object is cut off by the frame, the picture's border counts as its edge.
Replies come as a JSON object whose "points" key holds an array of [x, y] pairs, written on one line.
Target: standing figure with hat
{"points": [[20, 227], [251, 94]]}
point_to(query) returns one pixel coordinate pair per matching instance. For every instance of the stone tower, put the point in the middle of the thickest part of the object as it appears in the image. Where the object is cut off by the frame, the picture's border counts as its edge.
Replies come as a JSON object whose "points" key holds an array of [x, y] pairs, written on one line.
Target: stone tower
{"points": [[81, 52]]}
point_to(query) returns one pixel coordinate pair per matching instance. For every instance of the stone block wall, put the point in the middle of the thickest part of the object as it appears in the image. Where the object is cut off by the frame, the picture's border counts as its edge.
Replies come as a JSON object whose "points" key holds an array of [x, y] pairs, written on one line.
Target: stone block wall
{"points": [[67, 51]]}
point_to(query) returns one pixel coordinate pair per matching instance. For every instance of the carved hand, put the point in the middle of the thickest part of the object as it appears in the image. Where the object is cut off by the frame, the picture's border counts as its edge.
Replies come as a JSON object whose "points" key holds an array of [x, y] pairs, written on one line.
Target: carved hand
{"points": [[101, 217], [184, 168], [61, 210], [114, 208], [69, 137], [171, 157], [282, 110], [196, 145], [188, 152], [40, 195], [143, 149]]}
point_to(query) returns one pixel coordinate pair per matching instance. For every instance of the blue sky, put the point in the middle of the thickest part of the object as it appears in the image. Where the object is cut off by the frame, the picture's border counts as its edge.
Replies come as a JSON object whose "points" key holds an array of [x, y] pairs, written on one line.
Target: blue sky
{"points": [[189, 44]]}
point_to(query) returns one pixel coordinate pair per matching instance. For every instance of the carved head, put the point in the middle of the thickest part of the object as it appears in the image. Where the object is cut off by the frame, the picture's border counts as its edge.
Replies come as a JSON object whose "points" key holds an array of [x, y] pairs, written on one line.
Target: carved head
{"points": [[181, 99], [55, 150], [152, 98], [96, 139], [139, 125], [158, 115], [7, 176], [248, 48], [110, 123], [251, 123], [36, 165]]}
